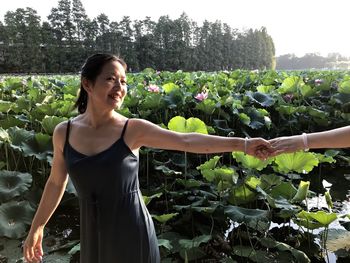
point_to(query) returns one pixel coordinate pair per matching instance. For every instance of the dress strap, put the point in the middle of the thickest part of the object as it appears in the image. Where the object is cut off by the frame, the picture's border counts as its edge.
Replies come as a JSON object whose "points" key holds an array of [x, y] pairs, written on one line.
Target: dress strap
{"points": [[124, 128], [67, 132]]}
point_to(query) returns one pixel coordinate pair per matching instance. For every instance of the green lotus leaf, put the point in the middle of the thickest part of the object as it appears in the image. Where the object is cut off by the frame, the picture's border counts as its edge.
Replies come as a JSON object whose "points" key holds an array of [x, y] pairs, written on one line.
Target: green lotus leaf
{"points": [[253, 182], [166, 170], [195, 242], [300, 162], [328, 198], [322, 158], [320, 217], [4, 136], [6, 106], [13, 184], [208, 174], [226, 174], [285, 190], [180, 124], [261, 98], [175, 99], [244, 118], [251, 162], [344, 87], [269, 180], [255, 218], [255, 255], [14, 217], [19, 136], [74, 249], [301, 192], [40, 146], [189, 183], [299, 255], [153, 101], [257, 117], [241, 195], [207, 106], [317, 113], [290, 85], [164, 218], [11, 121], [50, 122], [148, 199], [209, 164], [286, 109], [165, 243], [265, 89], [169, 87]]}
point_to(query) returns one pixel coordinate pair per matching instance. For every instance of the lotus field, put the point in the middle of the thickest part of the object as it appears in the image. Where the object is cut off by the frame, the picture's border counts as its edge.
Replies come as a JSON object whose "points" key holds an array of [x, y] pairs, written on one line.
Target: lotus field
{"points": [[206, 208]]}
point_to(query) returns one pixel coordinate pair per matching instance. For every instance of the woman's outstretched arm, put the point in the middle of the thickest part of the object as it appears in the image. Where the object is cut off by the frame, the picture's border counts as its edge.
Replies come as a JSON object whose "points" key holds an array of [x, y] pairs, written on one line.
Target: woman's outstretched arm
{"points": [[336, 138], [52, 195]]}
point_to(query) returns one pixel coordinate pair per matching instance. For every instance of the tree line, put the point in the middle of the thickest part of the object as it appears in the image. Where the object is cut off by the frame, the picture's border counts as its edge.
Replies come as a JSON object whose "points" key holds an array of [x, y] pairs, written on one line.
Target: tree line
{"points": [[69, 36]]}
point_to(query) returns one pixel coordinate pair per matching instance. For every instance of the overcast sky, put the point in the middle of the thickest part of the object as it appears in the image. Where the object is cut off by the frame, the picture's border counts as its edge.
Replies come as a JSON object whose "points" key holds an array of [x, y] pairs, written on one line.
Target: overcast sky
{"points": [[296, 26]]}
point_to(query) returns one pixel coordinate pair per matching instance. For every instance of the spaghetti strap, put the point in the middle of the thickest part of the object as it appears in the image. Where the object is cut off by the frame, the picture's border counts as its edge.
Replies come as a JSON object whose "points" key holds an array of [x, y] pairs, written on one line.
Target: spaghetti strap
{"points": [[67, 132], [124, 128]]}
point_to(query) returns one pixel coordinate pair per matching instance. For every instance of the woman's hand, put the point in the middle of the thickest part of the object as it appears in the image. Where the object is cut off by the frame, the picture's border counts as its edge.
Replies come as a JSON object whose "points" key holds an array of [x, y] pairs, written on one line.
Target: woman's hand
{"points": [[287, 144], [258, 147], [32, 248]]}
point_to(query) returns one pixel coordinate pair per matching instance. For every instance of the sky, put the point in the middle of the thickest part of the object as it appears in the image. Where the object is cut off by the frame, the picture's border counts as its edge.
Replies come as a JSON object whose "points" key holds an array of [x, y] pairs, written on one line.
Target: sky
{"points": [[296, 26]]}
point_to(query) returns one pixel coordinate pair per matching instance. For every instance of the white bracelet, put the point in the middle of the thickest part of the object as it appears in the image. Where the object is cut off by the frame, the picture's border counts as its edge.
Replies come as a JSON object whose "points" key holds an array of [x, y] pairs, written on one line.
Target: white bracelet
{"points": [[306, 145], [245, 145]]}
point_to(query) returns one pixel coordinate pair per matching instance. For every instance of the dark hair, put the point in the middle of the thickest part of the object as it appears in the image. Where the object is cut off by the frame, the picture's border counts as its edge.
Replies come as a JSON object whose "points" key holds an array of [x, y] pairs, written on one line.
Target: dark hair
{"points": [[90, 70]]}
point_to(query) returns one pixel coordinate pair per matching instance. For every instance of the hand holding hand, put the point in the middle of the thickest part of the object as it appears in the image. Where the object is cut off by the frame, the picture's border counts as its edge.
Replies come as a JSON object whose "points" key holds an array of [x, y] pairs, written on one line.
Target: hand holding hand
{"points": [[258, 147], [287, 144]]}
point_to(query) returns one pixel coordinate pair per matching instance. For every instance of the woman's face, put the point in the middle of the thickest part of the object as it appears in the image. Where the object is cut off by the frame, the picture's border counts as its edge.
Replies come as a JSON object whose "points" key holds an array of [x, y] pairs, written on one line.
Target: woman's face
{"points": [[110, 87]]}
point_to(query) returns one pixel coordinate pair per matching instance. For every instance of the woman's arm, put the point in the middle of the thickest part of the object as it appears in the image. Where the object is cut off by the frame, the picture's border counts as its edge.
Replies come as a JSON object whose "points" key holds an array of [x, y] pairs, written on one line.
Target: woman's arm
{"points": [[53, 192], [148, 134], [336, 138]]}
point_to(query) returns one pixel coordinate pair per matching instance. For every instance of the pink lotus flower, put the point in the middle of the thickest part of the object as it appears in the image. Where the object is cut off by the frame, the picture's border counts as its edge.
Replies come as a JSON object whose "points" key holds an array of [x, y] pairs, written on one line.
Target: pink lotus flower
{"points": [[201, 96], [153, 88], [318, 82], [288, 97]]}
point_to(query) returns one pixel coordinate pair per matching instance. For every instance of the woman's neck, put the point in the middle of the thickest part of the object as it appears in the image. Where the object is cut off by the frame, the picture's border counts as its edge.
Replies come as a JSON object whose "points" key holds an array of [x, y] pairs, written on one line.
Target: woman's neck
{"points": [[97, 118]]}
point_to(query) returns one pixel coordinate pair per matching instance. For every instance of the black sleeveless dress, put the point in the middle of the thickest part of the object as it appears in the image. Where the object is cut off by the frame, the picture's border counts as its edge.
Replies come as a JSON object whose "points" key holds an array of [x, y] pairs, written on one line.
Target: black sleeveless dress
{"points": [[115, 225]]}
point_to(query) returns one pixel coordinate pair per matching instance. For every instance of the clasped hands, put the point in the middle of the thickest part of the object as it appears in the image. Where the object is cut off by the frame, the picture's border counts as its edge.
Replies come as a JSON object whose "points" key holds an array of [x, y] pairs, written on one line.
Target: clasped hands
{"points": [[264, 149]]}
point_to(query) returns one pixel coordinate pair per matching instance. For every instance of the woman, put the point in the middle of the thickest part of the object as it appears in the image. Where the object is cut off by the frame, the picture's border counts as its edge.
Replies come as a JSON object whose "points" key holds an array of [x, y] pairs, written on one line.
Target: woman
{"points": [[99, 150], [336, 138]]}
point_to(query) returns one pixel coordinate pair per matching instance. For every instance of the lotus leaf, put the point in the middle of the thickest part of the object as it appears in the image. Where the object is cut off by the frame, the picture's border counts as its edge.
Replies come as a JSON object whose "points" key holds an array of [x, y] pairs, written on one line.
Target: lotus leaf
{"points": [[319, 218], [14, 217], [195, 242], [207, 106], [285, 190], [169, 87], [301, 192], [209, 164], [241, 195], [50, 122], [245, 215], [344, 87], [165, 243], [148, 199], [251, 162], [261, 98], [290, 85], [180, 124], [164, 218], [300, 256], [13, 184], [301, 162], [5, 106]]}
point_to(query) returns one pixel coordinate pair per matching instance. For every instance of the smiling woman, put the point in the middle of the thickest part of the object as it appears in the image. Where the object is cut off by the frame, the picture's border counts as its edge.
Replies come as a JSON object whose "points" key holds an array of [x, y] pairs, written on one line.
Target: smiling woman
{"points": [[99, 150]]}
